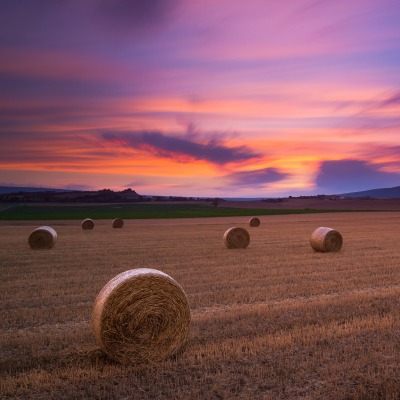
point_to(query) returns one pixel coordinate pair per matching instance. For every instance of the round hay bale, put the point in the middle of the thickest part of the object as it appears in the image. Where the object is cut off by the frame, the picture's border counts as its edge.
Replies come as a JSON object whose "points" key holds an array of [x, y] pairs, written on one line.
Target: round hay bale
{"points": [[118, 223], [43, 237], [236, 238], [254, 222], [326, 239], [87, 224], [141, 316]]}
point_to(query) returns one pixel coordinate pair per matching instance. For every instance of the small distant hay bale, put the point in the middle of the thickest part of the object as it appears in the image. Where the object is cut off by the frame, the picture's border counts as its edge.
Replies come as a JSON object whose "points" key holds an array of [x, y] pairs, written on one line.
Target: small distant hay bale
{"points": [[254, 222], [87, 224], [141, 316], [236, 238], [43, 237], [326, 239], [118, 223]]}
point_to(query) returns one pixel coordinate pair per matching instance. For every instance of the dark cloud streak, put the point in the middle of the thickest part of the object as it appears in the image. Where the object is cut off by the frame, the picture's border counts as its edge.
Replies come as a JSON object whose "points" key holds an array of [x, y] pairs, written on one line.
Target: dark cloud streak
{"points": [[182, 149], [256, 178]]}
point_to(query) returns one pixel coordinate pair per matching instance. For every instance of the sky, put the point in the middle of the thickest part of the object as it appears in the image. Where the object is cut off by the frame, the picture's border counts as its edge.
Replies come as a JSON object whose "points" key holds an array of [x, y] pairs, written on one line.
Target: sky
{"points": [[220, 98]]}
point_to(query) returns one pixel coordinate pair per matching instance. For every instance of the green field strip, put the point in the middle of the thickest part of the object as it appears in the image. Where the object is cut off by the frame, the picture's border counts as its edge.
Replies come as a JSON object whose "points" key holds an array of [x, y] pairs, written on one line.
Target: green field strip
{"points": [[142, 211]]}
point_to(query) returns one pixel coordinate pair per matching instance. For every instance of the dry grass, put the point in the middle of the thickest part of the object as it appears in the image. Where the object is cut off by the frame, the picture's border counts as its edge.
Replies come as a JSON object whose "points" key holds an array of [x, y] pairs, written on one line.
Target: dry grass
{"points": [[273, 321]]}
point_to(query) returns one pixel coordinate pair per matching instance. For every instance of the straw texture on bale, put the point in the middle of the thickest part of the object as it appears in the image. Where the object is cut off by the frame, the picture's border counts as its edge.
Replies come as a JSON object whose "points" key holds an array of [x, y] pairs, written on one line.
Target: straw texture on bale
{"points": [[87, 224], [236, 238], [254, 222], [141, 316], [118, 223], [43, 237], [326, 239]]}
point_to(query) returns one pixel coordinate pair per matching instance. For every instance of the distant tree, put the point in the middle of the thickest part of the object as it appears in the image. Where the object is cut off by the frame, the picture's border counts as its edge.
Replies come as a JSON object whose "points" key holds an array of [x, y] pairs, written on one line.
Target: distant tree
{"points": [[215, 202]]}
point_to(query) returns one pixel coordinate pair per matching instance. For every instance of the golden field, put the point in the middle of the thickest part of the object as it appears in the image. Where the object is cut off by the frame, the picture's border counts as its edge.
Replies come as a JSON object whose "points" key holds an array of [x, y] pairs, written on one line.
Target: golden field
{"points": [[273, 321]]}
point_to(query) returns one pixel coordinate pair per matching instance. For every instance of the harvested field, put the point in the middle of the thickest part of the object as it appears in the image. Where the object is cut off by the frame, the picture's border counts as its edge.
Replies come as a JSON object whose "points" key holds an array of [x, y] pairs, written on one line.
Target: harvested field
{"points": [[273, 321], [318, 204]]}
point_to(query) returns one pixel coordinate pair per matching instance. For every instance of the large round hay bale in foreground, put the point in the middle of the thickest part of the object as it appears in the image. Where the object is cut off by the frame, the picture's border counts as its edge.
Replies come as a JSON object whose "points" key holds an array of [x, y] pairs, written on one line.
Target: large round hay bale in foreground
{"points": [[236, 238], [118, 223], [141, 316], [87, 224], [43, 237], [326, 239], [254, 222]]}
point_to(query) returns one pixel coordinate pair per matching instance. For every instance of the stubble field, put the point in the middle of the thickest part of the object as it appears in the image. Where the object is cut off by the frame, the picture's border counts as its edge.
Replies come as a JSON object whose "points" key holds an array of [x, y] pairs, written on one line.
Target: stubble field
{"points": [[273, 321]]}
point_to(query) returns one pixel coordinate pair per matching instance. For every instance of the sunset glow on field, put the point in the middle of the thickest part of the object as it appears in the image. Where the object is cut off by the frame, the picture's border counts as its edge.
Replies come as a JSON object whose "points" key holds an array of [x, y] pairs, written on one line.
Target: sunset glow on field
{"points": [[201, 98]]}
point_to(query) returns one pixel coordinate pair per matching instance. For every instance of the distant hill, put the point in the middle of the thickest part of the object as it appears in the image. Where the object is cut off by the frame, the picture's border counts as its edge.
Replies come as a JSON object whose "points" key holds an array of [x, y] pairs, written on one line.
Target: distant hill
{"points": [[41, 195], [15, 194], [27, 189], [384, 193]]}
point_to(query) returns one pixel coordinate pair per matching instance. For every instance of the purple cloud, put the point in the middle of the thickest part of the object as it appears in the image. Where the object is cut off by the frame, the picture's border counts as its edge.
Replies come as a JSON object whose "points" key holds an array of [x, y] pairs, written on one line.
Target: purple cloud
{"points": [[134, 14], [182, 149], [353, 175], [256, 178], [96, 23]]}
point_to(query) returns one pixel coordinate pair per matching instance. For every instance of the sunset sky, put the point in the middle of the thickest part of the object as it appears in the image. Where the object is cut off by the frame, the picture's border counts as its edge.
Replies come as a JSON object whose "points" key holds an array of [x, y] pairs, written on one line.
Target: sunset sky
{"points": [[229, 98]]}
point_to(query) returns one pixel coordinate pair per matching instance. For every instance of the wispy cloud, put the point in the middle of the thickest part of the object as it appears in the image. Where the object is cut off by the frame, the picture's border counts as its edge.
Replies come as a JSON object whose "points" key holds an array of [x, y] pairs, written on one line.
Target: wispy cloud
{"points": [[394, 99], [381, 153], [52, 151]]}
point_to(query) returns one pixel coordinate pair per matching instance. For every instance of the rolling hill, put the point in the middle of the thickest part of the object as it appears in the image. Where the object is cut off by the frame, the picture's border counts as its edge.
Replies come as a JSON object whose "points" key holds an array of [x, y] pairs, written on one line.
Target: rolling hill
{"points": [[383, 193]]}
